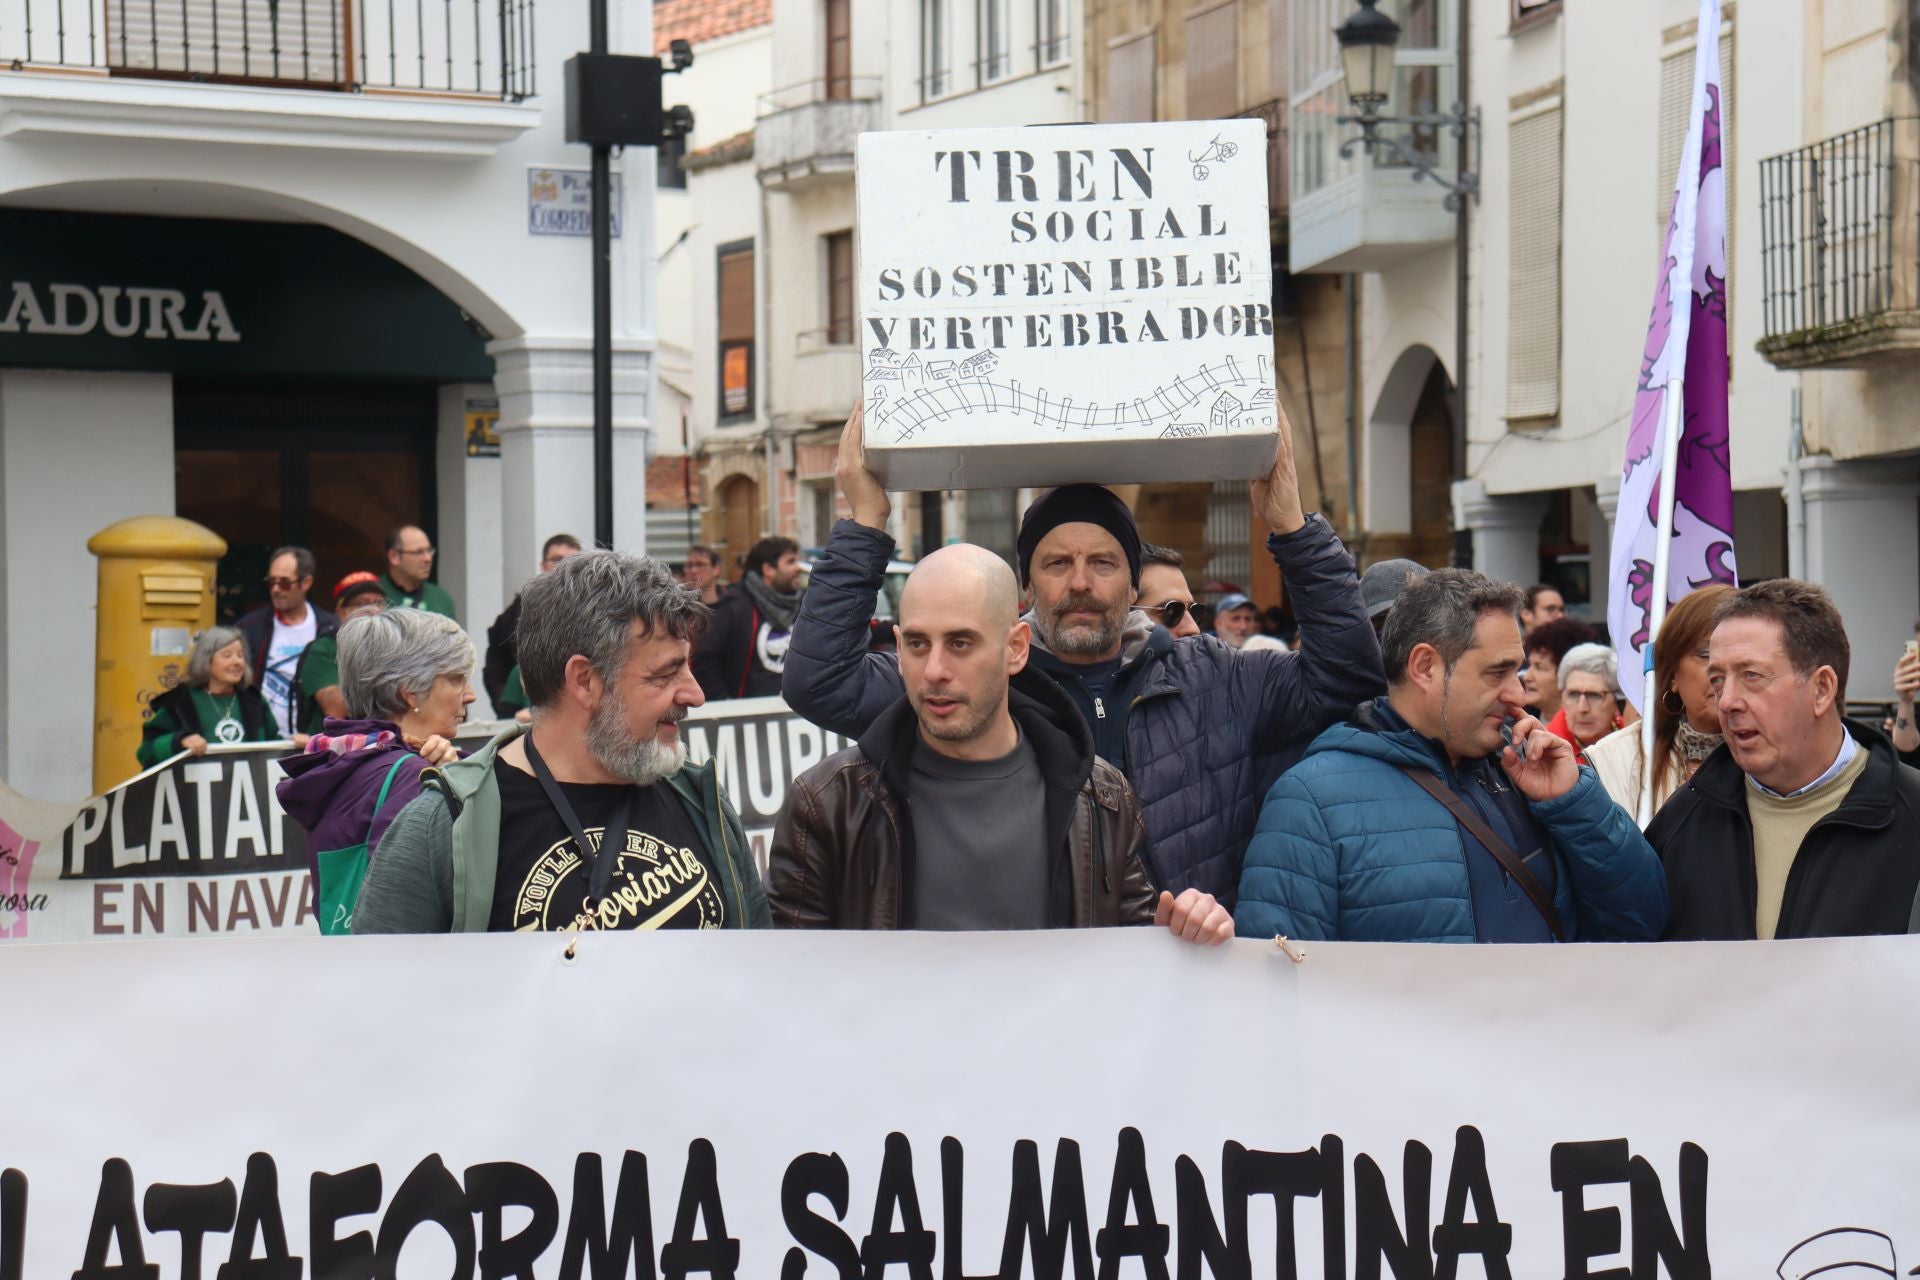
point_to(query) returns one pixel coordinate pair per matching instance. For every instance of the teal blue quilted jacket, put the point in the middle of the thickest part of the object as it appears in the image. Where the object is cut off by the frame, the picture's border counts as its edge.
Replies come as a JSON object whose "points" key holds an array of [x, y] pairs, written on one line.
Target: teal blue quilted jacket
{"points": [[1348, 848]]}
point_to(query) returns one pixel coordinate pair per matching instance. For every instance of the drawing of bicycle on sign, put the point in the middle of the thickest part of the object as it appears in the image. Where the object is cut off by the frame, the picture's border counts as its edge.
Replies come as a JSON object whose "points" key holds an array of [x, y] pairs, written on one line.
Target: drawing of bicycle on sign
{"points": [[1211, 153]]}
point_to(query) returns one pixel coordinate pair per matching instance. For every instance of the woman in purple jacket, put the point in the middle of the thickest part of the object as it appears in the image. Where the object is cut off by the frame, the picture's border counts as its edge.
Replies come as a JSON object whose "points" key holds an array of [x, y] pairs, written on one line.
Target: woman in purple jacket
{"points": [[407, 678]]}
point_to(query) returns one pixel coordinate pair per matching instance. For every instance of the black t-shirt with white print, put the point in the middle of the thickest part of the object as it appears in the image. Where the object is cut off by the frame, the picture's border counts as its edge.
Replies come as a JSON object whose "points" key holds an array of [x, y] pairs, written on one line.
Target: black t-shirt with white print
{"points": [[663, 881]]}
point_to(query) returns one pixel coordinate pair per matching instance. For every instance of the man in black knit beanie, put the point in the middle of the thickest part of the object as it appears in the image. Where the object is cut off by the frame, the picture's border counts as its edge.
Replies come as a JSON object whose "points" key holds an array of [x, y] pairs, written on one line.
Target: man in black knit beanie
{"points": [[1199, 730]]}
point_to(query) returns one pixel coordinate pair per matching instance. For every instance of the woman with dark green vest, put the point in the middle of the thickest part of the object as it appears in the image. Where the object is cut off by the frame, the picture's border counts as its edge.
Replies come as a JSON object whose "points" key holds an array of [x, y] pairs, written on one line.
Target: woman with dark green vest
{"points": [[217, 703]]}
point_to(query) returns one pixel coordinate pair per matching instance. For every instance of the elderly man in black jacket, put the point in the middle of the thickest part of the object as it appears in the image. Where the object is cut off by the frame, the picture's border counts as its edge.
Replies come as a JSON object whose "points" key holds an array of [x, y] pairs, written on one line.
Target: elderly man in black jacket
{"points": [[1803, 824], [1199, 730]]}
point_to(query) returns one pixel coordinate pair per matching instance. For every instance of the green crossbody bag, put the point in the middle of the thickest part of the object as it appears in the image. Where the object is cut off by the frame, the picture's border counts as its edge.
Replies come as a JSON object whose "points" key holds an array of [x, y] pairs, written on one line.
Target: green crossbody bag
{"points": [[342, 870]]}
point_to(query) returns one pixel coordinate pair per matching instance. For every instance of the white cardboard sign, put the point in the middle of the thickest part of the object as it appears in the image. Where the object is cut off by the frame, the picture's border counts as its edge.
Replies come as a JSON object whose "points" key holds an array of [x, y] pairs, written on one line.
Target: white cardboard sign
{"points": [[1066, 303]]}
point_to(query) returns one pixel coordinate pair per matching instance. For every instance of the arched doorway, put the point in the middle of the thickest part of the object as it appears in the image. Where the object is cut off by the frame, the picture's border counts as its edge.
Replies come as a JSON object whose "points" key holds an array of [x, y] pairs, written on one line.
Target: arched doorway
{"points": [[740, 510], [1430, 451], [1409, 463]]}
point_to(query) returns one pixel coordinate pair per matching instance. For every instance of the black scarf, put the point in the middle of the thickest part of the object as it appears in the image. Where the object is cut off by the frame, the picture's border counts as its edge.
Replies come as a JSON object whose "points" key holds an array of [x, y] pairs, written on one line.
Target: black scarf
{"points": [[779, 608]]}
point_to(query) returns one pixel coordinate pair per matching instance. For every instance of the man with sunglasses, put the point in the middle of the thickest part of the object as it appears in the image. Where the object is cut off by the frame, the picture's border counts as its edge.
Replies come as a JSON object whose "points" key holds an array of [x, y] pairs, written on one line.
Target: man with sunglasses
{"points": [[279, 632], [1199, 730], [1164, 594]]}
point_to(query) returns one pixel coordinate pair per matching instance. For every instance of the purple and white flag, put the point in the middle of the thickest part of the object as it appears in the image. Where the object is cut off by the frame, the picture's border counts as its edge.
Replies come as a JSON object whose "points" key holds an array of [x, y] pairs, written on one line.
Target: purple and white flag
{"points": [[1686, 351]]}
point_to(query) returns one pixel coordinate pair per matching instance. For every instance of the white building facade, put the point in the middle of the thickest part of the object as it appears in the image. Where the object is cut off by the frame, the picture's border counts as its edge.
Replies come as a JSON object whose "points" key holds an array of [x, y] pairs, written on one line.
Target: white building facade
{"points": [[292, 270], [708, 220], [1583, 110]]}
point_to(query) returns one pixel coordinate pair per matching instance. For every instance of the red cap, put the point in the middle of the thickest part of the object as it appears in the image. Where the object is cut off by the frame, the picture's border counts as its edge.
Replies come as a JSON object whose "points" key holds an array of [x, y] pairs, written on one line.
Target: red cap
{"points": [[354, 584]]}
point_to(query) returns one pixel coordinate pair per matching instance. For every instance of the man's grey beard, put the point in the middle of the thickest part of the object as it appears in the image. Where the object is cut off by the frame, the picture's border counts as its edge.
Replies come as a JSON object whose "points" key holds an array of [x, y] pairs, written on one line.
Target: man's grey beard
{"points": [[642, 761], [1080, 638]]}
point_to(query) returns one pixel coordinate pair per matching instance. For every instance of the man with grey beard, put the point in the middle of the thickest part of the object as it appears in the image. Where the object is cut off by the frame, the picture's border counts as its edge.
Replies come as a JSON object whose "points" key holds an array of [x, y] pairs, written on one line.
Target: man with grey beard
{"points": [[591, 818], [1198, 729]]}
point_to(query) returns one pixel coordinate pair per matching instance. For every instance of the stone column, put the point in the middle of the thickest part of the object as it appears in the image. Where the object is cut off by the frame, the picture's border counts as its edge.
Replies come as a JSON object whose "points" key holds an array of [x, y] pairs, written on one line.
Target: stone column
{"points": [[1863, 545], [78, 451], [545, 389], [1505, 530]]}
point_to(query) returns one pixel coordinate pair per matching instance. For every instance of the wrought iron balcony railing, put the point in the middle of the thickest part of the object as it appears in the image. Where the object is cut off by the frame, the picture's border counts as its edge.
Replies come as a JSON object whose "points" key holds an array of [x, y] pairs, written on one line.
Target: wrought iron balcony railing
{"points": [[1840, 229], [463, 47]]}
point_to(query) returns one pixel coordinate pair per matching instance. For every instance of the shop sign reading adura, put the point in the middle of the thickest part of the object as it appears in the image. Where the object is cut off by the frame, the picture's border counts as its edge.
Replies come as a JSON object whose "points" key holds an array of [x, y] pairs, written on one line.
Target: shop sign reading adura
{"points": [[75, 310]]}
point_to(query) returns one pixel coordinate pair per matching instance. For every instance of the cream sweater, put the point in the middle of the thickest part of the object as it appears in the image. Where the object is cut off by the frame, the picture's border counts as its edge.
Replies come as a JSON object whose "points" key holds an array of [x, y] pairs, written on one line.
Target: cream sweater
{"points": [[1780, 825], [1616, 758]]}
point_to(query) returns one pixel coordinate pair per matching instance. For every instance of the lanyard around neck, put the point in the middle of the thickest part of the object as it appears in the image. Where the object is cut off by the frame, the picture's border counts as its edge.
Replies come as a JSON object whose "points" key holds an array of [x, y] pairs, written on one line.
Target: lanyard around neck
{"points": [[599, 869]]}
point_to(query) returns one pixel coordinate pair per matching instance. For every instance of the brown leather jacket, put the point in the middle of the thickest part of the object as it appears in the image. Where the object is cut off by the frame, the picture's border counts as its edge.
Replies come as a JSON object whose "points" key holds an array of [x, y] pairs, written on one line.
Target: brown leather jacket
{"points": [[843, 848]]}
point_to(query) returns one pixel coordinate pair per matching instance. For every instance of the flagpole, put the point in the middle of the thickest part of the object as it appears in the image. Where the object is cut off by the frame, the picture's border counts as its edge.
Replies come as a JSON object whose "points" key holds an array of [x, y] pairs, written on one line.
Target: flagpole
{"points": [[1674, 410]]}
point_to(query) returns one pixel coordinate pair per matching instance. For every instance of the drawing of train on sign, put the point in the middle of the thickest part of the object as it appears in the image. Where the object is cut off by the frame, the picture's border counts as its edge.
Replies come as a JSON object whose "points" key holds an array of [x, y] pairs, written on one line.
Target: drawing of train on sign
{"points": [[911, 395], [1053, 304]]}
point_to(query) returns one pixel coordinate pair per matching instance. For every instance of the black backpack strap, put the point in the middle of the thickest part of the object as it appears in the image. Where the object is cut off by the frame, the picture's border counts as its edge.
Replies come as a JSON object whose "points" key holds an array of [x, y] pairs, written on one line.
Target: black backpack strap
{"points": [[1509, 861]]}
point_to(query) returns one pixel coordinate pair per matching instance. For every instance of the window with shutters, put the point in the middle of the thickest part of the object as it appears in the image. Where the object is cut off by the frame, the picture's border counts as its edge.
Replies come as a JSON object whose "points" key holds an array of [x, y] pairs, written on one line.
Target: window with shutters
{"points": [[1676, 93], [840, 318], [1213, 65], [839, 48], [936, 79], [993, 40], [1536, 142], [300, 41], [1316, 98], [1130, 66], [736, 330], [1050, 26]]}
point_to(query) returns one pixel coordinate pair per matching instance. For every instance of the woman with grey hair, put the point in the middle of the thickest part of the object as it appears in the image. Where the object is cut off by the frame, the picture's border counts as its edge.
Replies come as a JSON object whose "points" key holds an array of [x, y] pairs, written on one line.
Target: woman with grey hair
{"points": [[1590, 701], [217, 703], [407, 678]]}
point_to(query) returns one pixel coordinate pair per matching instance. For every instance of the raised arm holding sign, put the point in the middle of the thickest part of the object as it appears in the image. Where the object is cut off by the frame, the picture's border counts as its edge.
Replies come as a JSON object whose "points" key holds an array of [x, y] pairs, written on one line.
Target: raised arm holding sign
{"points": [[975, 801], [1186, 723], [1059, 306]]}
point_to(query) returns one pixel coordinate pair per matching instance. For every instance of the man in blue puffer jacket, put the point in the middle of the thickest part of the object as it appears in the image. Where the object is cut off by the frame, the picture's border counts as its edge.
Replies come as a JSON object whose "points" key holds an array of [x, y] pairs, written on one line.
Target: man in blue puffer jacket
{"points": [[1354, 844], [1198, 729]]}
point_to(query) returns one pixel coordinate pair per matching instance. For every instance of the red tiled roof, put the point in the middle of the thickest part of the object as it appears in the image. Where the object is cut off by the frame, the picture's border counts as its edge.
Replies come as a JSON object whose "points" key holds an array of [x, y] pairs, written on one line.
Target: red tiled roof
{"points": [[726, 151], [697, 21]]}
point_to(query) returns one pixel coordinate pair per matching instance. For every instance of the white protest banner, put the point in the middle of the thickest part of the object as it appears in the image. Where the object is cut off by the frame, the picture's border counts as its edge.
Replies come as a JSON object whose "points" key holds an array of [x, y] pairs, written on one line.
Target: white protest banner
{"points": [[1106, 1103], [1055, 304], [199, 846], [193, 846], [759, 746]]}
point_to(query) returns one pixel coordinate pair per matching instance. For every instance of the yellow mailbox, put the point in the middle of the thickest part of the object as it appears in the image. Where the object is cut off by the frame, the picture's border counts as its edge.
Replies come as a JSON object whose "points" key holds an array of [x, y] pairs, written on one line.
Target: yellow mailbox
{"points": [[156, 595]]}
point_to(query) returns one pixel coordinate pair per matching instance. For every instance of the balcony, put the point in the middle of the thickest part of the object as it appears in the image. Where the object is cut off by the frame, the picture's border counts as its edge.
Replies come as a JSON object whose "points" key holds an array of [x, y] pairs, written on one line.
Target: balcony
{"points": [[824, 379], [1364, 212], [415, 77], [806, 132], [1840, 253]]}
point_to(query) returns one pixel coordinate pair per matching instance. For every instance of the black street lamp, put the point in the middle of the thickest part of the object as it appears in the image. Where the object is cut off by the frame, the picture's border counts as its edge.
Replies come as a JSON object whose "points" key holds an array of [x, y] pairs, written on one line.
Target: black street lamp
{"points": [[1367, 41]]}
